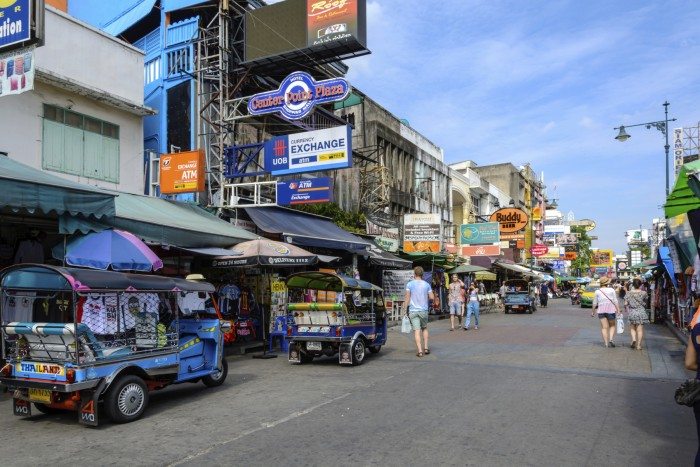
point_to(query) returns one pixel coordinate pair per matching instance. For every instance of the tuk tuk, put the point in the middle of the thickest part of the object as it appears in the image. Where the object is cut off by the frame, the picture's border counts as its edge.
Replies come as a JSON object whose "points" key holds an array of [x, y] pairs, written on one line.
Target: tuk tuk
{"points": [[519, 296], [75, 338], [347, 320]]}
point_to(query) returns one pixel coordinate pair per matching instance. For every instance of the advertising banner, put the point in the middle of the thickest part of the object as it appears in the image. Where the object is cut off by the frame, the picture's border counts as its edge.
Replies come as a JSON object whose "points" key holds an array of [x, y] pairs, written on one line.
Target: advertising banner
{"points": [[386, 238], [678, 152], [394, 283], [637, 236], [571, 248], [331, 20], [182, 172], [315, 190], [539, 250], [421, 233], [567, 238], [15, 22], [511, 220], [602, 258], [16, 71], [621, 265], [570, 255], [512, 236], [556, 229], [481, 250], [474, 234], [310, 151], [553, 253], [558, 265]]}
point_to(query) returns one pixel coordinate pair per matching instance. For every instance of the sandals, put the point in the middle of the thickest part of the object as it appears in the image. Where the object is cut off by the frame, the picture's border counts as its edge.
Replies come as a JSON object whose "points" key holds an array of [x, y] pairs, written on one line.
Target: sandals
{"points": [[633, 345], [427, 351], [419, 354]]}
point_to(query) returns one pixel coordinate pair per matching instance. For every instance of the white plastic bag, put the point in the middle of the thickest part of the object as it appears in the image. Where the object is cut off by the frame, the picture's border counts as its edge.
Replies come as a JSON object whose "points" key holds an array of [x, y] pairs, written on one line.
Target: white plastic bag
{"points": [[620, 325], [405, 325]]}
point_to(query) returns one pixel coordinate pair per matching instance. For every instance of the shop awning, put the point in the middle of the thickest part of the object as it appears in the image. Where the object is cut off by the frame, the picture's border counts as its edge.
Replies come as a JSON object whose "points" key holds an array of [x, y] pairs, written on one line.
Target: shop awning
{"points": [[128, 18], [466, 269], [25, 188], [682, 199], [664, 259], [382, 258], [519, 269], [303, 229], [484, 276], [163, 222]]}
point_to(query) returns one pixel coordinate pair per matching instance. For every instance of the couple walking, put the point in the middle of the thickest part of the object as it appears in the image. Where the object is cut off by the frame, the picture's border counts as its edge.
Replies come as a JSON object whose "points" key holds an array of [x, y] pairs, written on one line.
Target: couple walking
{"points": [[607, 305], [457, 296]]}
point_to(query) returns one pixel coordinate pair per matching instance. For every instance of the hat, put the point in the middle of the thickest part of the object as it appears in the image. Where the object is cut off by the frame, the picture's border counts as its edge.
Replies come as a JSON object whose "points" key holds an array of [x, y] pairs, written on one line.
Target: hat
{"points": [[604, 281], [195, 277]]}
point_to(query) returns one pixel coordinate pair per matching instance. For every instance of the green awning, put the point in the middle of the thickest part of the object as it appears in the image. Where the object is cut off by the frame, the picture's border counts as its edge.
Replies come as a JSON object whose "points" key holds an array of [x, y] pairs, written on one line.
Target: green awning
{"points": [[163, 222], [466, 269], [682, 199], [25, 188], [352, 99]]}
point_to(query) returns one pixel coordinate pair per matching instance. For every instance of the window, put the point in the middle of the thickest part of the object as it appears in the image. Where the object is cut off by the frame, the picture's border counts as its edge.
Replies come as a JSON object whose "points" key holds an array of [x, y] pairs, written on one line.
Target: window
{"points": [[80, 145]]}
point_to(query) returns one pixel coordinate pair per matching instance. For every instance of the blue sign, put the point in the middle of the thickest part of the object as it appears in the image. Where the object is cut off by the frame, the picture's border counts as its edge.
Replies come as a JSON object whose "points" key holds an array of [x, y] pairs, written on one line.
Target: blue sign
{"points": [[15, 22], [315, 190], [311, 151], [485, 232], [558, 265], [297, 96]]}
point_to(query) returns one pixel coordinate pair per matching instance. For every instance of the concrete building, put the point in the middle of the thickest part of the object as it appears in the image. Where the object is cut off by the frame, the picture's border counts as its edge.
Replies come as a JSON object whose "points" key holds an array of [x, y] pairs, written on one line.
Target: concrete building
{"points": [[83, 121]]}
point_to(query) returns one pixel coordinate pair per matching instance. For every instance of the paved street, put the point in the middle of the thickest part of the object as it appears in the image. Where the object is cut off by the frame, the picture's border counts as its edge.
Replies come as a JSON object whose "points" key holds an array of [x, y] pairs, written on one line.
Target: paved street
{"points": [[523, 389]]}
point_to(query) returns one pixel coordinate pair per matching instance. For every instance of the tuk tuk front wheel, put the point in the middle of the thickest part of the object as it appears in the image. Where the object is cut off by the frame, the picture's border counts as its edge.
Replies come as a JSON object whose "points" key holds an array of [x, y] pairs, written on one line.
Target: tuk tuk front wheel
{"points": [[218, 377], [358, 352], [126, 399]]}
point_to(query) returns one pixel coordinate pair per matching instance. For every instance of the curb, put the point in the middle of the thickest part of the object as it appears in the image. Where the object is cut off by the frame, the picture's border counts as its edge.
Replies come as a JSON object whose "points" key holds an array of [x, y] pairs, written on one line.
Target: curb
{"points": [[683, 338]]}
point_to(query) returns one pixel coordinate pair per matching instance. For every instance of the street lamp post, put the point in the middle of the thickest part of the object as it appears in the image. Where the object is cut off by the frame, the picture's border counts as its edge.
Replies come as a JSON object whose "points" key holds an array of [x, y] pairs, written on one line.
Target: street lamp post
{"points": [[661, 125]]}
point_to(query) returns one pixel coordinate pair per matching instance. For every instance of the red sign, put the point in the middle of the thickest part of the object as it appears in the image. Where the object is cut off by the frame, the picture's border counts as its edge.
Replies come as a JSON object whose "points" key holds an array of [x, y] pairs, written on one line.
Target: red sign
{"points": [[539, 250], [481, 250], [570, 255]]}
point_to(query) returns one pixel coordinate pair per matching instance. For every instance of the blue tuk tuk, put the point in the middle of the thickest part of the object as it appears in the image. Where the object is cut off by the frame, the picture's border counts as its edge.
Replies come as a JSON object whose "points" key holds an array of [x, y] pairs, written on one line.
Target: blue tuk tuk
{"points": [[348, 318], [75, 338], [519, 297]]}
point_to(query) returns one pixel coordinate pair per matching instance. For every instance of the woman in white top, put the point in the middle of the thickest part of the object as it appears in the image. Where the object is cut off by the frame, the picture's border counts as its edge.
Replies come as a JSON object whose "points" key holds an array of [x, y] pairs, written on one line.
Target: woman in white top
{"points": [[605, 303]]}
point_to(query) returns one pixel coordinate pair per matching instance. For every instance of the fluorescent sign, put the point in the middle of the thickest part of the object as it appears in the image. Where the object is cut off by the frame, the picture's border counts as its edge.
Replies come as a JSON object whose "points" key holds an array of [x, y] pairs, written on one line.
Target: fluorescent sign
{"points": [[311, 151]]}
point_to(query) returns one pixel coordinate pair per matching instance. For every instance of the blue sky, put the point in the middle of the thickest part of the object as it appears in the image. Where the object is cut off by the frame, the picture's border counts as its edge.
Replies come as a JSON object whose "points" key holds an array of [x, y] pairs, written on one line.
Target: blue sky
{"points": [[544, 82]]}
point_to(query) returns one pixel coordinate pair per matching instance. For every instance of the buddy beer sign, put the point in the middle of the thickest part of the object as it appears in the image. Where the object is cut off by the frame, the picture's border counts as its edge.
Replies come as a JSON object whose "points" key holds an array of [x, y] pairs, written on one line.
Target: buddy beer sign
{"points": [[511, 220], [310, 151], [297, 96], [15, 22]]}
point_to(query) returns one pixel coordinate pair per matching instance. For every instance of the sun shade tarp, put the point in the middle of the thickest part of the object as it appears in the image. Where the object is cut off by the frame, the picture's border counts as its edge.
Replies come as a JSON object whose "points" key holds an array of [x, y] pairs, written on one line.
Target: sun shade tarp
{"points": [[302, 229], [682, 199], [466, 269], [163, 222], [25, 188], [664, 259], [379, 257]]}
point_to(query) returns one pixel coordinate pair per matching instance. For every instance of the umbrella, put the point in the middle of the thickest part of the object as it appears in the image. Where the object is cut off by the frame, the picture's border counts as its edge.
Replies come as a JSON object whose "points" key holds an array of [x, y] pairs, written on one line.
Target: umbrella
{"points": [[118, 249], [264, 252], [484, 276], [466, 268]]}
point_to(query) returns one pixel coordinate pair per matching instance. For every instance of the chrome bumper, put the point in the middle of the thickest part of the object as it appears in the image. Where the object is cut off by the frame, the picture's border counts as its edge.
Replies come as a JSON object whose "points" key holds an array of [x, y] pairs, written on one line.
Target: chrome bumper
{"points": [[15, 383]]}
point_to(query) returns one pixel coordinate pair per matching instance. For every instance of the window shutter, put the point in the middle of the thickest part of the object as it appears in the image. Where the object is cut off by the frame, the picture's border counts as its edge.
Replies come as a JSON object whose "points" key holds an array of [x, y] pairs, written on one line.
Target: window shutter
{"points": [[52, 146]]}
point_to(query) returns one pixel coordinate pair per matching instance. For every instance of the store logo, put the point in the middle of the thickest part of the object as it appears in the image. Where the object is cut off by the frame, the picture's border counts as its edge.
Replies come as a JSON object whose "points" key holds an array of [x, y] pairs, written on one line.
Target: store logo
{"points": [[166, 162], [279, 248], [324, 6], [280, 148], [297, 96]]}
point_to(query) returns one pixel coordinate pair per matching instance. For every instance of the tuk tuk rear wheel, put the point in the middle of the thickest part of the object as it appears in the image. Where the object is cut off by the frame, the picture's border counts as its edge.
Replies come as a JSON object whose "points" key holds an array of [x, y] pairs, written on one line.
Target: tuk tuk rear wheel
{"points": [[358, 352], [217, 378], [126, 399]]}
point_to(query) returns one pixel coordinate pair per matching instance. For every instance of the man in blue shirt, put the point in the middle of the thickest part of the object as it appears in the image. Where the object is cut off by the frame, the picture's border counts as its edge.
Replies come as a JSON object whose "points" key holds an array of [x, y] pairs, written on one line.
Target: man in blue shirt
{"points": [[418, 294]]}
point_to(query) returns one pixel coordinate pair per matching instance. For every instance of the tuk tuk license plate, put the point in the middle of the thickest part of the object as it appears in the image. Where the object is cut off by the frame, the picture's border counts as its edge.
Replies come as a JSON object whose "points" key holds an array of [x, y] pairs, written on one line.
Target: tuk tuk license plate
{"points": [[40, 395], [314, 346]]}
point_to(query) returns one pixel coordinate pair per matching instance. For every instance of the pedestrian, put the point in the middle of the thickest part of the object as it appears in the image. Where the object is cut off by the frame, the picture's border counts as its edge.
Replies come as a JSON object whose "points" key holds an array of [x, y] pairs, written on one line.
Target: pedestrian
{"points": [[635, 301], [605, 304], [418, 294], [456, 300], [692, 351], [472, 308], [502, 294], [544, 294], [482, 288]]}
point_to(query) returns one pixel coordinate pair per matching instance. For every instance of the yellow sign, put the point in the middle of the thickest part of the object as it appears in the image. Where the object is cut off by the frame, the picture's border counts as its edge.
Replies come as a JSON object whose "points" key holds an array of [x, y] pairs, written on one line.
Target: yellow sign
{"points": [[278, 287], [40, 368], [602, 258]]}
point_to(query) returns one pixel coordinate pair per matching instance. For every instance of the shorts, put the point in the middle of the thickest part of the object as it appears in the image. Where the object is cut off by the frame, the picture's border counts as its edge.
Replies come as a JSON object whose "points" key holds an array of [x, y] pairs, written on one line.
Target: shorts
{"points": [[456, 308], [608, 316], [419, 319]]}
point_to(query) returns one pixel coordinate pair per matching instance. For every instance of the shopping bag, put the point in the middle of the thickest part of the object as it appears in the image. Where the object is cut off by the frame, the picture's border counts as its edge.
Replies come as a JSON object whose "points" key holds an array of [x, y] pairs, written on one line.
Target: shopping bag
{"points": [[620, 325], [406, 325]]}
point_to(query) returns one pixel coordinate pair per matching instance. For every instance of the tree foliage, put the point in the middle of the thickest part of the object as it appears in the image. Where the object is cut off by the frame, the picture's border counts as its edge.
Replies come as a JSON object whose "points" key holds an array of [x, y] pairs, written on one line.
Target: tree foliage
{"points": [[582, 263], [350, 221]]}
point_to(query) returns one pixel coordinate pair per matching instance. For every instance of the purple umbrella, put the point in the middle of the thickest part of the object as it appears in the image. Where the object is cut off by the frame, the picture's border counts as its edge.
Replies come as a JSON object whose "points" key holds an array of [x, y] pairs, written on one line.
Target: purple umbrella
{"points": [[118, 249]]}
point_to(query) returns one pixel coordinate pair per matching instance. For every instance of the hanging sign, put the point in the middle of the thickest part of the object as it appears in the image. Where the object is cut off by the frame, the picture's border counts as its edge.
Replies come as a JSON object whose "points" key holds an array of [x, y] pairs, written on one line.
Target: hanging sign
{"points": [[311, 151], [15, 22], [511, 219], [539, 250], [16, 70], [481, 250], [486, 232], [570, 255], [421, 233], [297, 96], [182, 172], [677, 150], [315, 190]]}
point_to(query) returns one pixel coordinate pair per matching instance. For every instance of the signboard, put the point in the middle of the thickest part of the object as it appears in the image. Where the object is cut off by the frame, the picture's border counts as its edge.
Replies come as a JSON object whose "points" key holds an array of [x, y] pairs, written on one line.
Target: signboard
{"points": [[297, 96], [182, 172], [481, 250], [473, 234], [15, 22], [537, 214], [571, 248], [16, 70], [421, 233], [386, 238], [556, 229], [394, 283], [558, 265], [587, 224], [678, 152], [512, 236], [315, 190], [637, 236], [602, 258], [331, 20], [570, 255], [311, 151], [511, 219], [567, 238], [553, 253], [621, 265], [539, 250]]}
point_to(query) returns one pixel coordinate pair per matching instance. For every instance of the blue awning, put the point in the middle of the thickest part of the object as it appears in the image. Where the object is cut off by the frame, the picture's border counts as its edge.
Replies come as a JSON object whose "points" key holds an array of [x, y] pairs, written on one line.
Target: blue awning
{"points": [[303, 229], [665, 260], [25, 188], [129, 17]]}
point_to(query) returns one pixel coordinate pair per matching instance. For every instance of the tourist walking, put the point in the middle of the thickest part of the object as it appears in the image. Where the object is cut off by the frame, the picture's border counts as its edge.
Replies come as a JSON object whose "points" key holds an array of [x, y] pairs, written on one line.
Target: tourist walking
{"points": [[544, 294], [472, 308], [456, 300], [635, 302], [418, 295], [607, 308]]}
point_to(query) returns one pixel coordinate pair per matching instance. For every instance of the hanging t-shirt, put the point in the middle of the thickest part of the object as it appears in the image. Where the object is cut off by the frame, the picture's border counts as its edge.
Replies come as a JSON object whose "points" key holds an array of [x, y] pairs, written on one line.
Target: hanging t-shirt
{"points": [[229, 297], [190, 302], [102, 316], [134, 303], [18, 307]]}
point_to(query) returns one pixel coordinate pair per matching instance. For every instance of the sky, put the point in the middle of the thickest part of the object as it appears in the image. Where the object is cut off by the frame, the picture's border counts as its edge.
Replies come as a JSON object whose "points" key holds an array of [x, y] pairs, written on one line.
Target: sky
{"points": [[544, 82]]}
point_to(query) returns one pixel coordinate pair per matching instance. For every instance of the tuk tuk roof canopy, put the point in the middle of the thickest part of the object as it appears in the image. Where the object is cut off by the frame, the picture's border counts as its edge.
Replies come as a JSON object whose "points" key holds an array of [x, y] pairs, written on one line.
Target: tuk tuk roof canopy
{"points": [[327, 281], [54, 278]]}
